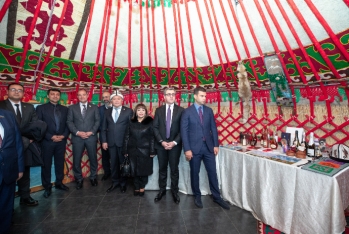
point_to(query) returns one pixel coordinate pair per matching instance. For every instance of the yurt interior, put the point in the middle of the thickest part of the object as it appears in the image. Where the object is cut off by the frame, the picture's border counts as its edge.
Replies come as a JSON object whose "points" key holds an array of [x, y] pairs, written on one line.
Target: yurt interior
{"points": [[236, 110]]}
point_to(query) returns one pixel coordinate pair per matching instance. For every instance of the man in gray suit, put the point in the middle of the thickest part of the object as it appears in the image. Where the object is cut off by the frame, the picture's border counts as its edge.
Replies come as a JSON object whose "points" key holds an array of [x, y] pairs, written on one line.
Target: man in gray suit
{"points": [[115, 122], [83, 122]]}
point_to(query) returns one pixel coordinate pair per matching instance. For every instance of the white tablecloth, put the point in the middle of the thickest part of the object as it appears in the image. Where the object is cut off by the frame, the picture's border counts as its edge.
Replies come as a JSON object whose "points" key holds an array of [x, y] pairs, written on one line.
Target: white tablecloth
{"points": [[284, 196], [184, 177]]}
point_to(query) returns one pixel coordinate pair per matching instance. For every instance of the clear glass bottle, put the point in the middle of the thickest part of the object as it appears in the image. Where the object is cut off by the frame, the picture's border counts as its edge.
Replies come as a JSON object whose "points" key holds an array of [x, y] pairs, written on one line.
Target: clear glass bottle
{"points": [[311, 146]]}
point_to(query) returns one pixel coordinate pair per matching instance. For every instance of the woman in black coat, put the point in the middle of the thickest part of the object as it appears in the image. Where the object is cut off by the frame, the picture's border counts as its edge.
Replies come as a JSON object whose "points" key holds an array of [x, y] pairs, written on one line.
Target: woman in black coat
{"points": [[139, 147]]}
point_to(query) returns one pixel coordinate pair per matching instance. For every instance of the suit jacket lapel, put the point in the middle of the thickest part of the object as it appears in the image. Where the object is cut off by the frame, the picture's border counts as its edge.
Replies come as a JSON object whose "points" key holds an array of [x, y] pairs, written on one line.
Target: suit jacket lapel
{"points": [[196, 114], [175, 111], [9, 107], [122, 112], [164, 113], [5, 125]]}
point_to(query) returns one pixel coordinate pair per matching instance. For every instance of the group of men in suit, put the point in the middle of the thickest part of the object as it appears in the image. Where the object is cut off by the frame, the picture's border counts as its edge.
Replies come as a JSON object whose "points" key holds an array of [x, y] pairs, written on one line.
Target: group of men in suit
{"points": [[192, 129]]}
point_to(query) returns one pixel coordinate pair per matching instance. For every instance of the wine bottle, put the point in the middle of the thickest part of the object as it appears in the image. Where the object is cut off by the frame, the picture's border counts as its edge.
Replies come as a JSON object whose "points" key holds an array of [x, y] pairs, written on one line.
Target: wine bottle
{"points": [[262, 139], [253, 139], [276, 136], [244, 143], [273, 143], [266, 138], [304, 143], [311, 146], [296, 140]]}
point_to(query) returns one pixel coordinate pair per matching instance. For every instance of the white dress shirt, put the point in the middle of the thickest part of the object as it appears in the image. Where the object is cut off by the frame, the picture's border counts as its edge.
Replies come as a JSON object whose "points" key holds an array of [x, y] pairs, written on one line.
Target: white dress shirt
{"points": [[81, 106], [113, 112], [171, 107], [2, 132], [15, 107]]}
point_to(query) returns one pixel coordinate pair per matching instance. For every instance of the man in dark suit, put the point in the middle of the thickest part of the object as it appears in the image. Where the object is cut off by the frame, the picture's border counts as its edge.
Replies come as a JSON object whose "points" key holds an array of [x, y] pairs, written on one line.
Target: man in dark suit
{"points": [[169, 143], [105, 153], [11, 166], [115, 123], [25, 114], [83, 122], [55, 140], [200, 142]]}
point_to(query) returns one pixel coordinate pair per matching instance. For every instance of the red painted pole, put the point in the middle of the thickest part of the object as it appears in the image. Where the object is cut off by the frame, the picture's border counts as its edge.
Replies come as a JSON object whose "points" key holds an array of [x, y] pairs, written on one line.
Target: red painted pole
{"points": [[95, 67], [328, 29], [237, 23], [114, 46], [47, 58], [82, 58], [4, 9], [27, 42], [206, 44], [276, 48]]}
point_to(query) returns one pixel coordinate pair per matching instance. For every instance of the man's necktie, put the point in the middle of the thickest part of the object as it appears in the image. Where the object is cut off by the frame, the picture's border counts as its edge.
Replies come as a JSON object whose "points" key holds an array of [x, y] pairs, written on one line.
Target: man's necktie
{"points": [[83, 113], [168, 122], [200, 114], [57, 115], [18, 114], [0, 141], [116, 114]]}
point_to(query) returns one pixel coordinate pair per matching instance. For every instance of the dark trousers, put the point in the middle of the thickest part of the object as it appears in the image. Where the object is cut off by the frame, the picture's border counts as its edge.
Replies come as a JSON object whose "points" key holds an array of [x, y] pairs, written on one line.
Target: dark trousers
{"points": [[57, 150], [210, 165], [106, 161], [140, 182], [79, 146], [116, 159], [24, 184], [169, 157], [7, 195]]}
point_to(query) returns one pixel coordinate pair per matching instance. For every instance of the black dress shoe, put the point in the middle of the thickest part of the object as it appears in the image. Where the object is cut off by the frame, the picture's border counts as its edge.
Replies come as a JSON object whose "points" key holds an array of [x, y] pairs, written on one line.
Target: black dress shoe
{"points": [[94, 182], [111, 188], [79, 185], [176, 198], [29, 201], [198, 202], [123, 189], [222, 203], [141, 194], [105, 176], [136, 193], [160, 195], [47, 192], [62, 187]]}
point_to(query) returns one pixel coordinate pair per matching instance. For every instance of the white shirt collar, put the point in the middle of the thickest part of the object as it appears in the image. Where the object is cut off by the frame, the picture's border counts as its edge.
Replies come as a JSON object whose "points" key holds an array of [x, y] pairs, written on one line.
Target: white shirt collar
{"points": [[81, 105], [14, 107]]}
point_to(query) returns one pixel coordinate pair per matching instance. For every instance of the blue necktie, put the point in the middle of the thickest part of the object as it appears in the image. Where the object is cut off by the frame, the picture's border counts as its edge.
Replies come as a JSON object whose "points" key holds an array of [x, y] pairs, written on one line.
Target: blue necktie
{"points": [[116, 114]]}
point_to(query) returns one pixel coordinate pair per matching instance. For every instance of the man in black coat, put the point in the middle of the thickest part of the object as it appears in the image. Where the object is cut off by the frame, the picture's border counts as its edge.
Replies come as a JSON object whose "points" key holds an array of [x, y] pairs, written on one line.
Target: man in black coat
{"points": [[25, 114], [83, 122], [105, 153], [115, 123], [168, 142], [11, 166], [55, 140]]}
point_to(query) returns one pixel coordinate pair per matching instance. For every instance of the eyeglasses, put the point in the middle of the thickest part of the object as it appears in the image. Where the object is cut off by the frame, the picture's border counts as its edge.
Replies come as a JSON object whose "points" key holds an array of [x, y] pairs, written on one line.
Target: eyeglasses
{"points": [[170, 94], [16, 90]]}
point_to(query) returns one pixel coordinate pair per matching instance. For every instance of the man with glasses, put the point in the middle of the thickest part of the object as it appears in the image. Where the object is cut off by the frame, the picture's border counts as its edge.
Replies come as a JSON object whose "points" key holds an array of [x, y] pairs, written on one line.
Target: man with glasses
{"points": [[55, 140], [169, 143], [25, 113], [105, 153]]}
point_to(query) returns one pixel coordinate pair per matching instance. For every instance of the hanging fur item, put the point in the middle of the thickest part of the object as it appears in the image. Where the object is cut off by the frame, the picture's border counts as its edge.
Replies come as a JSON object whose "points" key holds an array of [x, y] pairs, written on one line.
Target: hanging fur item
{"points": [[244, 91]]}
